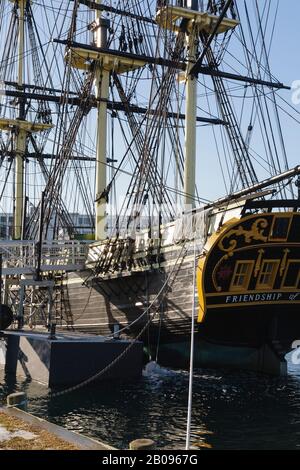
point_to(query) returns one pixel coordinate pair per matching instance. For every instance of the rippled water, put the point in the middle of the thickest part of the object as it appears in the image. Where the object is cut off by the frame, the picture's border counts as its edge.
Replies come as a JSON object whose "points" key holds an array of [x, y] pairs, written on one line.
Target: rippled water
{"points": [[231, 410]]}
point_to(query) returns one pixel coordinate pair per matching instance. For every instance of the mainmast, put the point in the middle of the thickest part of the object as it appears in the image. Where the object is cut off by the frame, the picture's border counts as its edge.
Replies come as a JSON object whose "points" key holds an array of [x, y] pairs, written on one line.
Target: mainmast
{"points": [[104, 62], [102, 94], [190, 20]]}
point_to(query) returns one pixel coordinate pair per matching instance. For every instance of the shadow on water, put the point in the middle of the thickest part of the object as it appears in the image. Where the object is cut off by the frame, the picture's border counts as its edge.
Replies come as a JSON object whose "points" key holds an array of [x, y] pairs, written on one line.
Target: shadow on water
{"points": [[231, 410]]}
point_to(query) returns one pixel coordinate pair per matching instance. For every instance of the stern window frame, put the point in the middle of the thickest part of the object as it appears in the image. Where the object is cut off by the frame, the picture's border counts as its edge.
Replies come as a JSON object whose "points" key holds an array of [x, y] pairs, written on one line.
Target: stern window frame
{"points": [[289, 217], [234, 287], [263, 272]]}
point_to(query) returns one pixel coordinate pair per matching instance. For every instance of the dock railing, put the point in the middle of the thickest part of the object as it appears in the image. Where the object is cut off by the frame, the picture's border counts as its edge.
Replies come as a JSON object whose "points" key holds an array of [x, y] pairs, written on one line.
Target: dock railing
{"points": [[20, 257]]}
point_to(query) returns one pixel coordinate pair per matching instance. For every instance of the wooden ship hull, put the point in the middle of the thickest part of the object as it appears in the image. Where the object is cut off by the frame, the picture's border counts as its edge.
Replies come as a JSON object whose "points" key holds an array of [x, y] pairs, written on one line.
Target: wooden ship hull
{"points": [[248, 297]]}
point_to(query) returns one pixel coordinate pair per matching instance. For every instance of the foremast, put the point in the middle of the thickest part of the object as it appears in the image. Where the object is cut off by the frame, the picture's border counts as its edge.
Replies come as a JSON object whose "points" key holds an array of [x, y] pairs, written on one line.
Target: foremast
{"points": [[20, 126]]}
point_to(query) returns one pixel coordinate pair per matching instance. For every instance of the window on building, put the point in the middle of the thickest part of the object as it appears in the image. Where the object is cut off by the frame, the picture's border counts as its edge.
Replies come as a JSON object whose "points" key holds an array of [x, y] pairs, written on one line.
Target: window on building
{"points": [[267, 274], [291, 278], [280, 228], [241, 276]]}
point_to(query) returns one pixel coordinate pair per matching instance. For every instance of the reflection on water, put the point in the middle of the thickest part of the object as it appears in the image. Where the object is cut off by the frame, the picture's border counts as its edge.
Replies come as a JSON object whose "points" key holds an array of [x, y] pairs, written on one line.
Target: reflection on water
{"points": [[231, 410]]}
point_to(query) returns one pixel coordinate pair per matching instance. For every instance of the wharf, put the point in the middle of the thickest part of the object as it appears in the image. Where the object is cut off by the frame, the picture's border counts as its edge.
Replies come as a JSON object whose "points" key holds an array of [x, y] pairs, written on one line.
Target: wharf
{"points": [[20, 430]]}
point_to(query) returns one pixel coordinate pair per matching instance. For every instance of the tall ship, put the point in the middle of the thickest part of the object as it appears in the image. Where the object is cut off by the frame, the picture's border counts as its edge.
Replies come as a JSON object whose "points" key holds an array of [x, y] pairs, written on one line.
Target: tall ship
{"points": [[116, 120]]}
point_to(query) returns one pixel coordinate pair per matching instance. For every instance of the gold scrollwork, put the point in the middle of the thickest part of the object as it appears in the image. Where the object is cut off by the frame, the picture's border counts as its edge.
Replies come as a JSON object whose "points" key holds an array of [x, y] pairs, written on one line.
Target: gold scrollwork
{"points": [[255, 233]]}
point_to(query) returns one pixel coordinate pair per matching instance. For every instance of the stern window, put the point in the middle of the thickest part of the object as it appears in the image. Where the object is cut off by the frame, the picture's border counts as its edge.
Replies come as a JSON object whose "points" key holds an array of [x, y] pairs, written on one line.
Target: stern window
{"points": [[241, 277], [267, 274], [292, 275], [280, 228]]}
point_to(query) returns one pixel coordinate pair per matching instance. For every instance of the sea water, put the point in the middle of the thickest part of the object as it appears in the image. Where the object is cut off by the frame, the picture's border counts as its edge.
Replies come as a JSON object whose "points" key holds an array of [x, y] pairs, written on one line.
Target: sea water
{"points": [[231, 409]]}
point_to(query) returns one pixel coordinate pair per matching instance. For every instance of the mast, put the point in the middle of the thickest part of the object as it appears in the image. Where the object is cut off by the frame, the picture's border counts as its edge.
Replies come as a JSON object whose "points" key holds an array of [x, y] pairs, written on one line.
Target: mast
{"points": [[19, 127], [21, 133], [191, 115], [102, 95], [105, 61], [194, 22]]}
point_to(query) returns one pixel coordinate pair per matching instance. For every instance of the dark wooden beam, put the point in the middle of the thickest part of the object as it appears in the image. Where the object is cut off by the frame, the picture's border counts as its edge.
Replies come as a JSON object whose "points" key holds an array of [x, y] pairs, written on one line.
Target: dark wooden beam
{"points": [[128, 55], [116, 11], [27, 86], [241, 78], [46, 156], [111, 105], [173, 64]]}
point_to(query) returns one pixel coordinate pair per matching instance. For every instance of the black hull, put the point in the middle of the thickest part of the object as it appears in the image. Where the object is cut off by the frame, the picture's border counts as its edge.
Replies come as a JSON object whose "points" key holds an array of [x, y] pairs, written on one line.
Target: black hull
{"points": [[233, 337]]}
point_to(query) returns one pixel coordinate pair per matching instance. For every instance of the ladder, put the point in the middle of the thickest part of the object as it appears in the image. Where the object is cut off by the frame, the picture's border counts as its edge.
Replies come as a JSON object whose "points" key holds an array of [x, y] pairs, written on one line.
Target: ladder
{"points": [[62, 309]]}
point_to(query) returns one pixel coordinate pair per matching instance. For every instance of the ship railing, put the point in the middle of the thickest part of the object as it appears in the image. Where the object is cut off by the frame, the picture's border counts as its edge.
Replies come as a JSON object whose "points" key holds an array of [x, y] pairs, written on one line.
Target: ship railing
{"points": [[20, 257], [111, 253], [106, 252]]}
